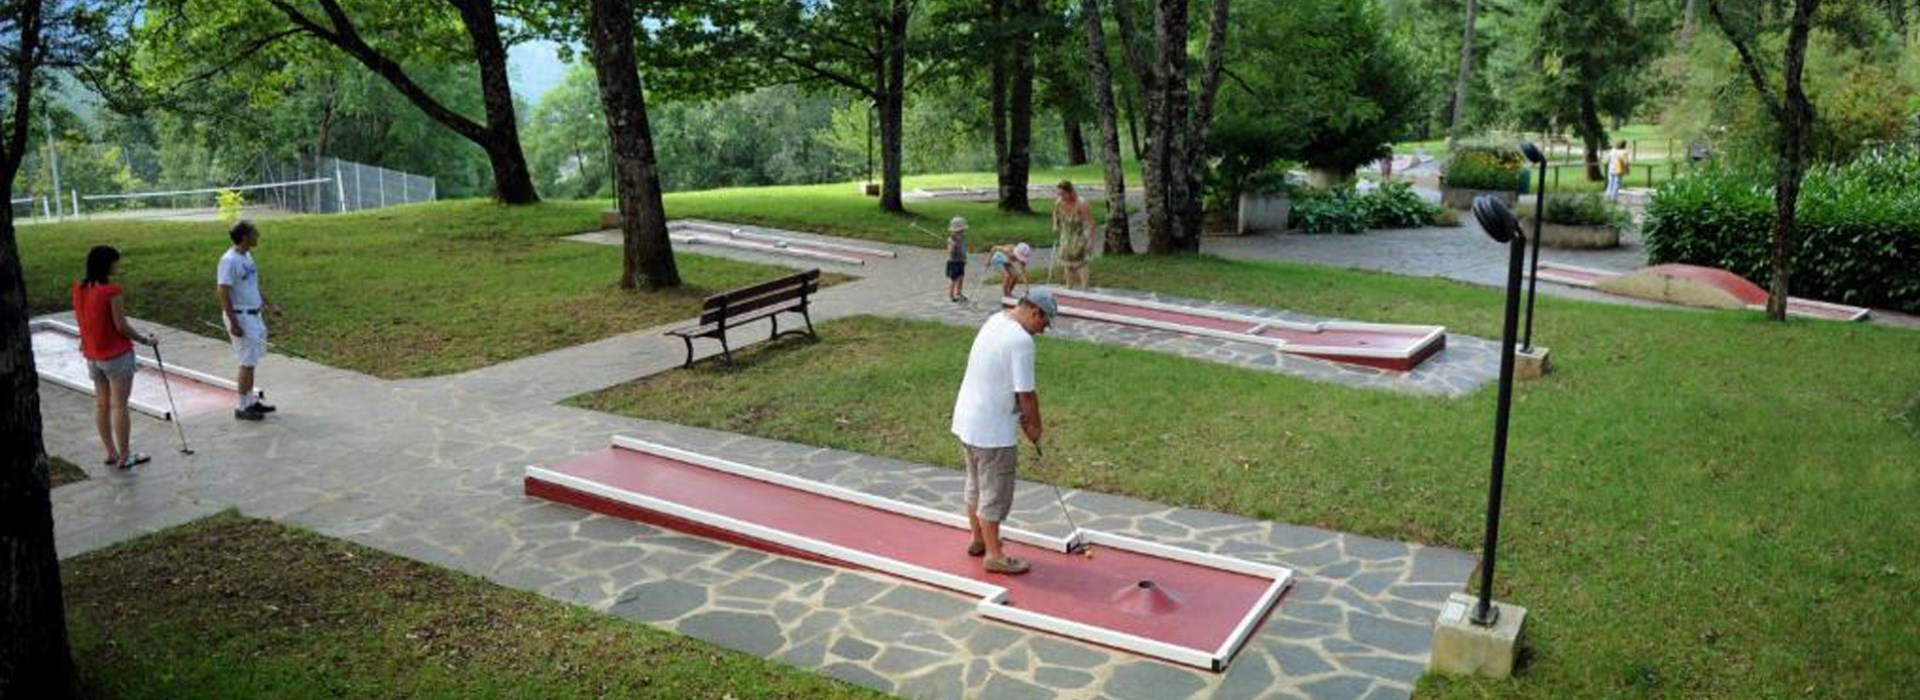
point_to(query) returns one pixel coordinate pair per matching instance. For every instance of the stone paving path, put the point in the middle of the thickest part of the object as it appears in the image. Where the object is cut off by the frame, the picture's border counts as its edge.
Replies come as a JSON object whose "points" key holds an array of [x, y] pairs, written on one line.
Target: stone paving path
{"points": [[431, 469]]}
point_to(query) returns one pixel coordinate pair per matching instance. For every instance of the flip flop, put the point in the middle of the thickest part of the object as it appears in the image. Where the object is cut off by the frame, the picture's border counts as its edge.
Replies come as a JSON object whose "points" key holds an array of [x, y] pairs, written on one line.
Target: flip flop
{"points": [[134, 460], [976, 549], [111, 461]]}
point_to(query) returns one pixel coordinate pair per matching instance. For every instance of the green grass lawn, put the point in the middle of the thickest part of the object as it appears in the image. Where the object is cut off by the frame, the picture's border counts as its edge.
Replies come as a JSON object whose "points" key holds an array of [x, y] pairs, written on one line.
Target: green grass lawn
{"points": [[64, 472], [401, 292], [231, 607], [1700, 504]]}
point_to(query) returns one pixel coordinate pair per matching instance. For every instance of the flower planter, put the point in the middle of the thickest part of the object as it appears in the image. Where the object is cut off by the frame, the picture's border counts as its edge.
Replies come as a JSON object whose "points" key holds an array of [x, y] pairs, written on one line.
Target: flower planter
{"points": [[1579, 236], [1458, 198], [1263, 212]]}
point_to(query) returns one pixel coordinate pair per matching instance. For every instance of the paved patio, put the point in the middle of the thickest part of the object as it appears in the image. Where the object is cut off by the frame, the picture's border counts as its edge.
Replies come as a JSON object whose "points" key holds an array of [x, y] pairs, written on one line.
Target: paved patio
{"points": [[430, 469]]}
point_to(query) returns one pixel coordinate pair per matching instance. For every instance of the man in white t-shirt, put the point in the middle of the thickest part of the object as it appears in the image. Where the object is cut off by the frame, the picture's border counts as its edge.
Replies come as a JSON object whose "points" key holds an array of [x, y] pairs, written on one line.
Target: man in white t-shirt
{"points": [[997, 402], [243, 302]]}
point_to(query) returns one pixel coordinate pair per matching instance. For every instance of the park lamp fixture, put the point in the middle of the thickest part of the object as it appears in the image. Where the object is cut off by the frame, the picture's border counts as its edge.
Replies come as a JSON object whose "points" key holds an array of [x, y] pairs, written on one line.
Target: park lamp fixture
{"points": [[1539, 161], [1502, 227]]}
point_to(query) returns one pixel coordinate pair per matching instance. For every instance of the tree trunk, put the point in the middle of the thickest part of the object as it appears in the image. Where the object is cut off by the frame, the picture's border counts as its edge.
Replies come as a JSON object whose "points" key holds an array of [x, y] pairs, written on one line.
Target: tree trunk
{"points": [[1687, 25], [1019, 154], [1797, 118], [34, 658], [499, 137], [997, 99], [892, 105], [1119, 237], [1076, 141], [1132, 104], [1193, 214], [1593, 135], [1167, 106], [647, 252], [1458, 118]]}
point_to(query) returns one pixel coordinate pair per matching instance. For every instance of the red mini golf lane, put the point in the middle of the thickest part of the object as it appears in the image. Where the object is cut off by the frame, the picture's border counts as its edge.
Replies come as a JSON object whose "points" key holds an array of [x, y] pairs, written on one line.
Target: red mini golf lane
{"points": [[1734, 286], [1178, 605], [1387, 346], [56, 355]]}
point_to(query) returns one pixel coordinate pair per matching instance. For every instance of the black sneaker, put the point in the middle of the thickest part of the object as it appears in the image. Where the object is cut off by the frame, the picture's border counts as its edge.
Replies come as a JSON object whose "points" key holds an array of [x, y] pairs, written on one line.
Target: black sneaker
{"points": [[247, 414], [262, 408]]}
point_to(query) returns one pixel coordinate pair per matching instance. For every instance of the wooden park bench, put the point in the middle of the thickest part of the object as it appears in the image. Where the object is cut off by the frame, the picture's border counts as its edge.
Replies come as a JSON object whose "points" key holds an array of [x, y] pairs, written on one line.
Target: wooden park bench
{"points": [[727, 310]]}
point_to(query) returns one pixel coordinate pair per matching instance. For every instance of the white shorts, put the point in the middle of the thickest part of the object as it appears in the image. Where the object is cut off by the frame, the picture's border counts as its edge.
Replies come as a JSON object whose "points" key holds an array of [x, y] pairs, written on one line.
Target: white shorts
{"points": [[250, 347]]}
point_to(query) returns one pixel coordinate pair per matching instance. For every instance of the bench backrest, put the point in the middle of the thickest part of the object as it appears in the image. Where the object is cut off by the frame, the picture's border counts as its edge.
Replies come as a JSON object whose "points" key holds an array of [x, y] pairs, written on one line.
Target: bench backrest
{"points": [[745, 300]]}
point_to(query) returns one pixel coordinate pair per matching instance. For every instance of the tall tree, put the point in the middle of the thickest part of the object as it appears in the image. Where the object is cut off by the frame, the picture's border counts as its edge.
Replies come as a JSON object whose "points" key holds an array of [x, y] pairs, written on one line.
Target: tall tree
{"points": [[1177, 119], [1012, 99], [381, 37], [647, 251], [861, 46], [34, 658], [1791, 109], [1119, 237], [1571, 78], [1457, 120]]}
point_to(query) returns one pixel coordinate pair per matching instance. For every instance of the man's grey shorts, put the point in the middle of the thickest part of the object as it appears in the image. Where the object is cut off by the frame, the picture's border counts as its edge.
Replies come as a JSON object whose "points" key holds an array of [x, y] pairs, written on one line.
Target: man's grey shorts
{"points": [[990, 479], [120, 368]]}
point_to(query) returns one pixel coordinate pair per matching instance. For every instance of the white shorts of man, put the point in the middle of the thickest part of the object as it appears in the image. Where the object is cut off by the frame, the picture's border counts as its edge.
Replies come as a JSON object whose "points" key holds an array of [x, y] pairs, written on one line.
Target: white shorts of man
{"points": [[249, 348]]}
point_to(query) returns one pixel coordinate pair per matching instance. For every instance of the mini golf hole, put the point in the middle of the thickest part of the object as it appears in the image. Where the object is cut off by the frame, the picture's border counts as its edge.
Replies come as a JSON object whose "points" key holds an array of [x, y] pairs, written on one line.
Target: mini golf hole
{"points": [[1144, 584]]}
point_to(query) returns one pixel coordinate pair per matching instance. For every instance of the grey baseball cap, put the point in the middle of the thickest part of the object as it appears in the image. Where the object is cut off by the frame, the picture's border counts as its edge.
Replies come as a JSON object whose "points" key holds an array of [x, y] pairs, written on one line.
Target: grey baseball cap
{"points": [[1043, 299]]}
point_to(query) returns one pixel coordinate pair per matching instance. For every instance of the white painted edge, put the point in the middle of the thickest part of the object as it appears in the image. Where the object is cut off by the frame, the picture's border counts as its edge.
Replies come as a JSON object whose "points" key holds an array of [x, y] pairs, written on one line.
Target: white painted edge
{"points": [[1432, 333], [1582, 269], [175, 370], [935, 515], [1855, 313], [727, 242], [159, 412], [993, 598], [1196, 311], [738, 232]]}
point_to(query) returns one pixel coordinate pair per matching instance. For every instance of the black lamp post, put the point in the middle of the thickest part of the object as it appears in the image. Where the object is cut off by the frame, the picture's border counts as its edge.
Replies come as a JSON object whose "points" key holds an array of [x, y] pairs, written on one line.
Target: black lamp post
{"points": [[1539, 161], [1499, 224]]}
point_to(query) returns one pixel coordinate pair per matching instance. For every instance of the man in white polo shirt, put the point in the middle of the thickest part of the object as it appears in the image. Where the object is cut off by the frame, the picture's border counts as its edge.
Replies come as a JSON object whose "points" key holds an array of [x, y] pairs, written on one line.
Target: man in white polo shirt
{"points": [[243, 302], [997, 402]]}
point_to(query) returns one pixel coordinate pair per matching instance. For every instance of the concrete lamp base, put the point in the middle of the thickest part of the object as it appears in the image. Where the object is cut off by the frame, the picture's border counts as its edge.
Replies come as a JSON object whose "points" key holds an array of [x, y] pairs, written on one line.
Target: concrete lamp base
{"points": [[1530, 364], [1464, 648]]}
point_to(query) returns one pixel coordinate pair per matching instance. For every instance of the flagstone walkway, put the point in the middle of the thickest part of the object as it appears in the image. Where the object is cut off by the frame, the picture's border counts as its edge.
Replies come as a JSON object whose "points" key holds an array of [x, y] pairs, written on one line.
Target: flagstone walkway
{"points": [[431, 469]]}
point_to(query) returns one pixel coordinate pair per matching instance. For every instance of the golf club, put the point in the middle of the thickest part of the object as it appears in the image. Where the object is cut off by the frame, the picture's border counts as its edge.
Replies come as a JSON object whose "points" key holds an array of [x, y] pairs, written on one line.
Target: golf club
{"points": [[1073, 546], [921, 229], [178, 430]]}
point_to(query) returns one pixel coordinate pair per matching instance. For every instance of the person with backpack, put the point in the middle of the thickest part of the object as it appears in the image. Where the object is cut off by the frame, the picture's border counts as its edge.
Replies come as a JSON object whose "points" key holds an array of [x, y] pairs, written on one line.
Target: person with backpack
{"points": [[1617, 169], [1073, 229]]}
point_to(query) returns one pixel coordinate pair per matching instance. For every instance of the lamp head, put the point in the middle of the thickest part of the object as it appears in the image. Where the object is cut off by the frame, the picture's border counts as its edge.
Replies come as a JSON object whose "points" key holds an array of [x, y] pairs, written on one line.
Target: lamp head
{"points": [[1496, 219], [1532, 153]]}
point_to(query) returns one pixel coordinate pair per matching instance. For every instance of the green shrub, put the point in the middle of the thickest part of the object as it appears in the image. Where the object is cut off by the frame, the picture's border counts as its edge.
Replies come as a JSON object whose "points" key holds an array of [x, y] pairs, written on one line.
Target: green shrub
{"points": [[1396, 205], [1336, 211], [1476, 166], [1392, 205], [1859, 228], [1591, 209]]}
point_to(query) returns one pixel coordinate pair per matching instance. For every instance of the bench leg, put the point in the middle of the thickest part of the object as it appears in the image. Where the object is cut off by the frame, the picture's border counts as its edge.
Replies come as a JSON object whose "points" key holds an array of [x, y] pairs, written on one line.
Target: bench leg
{"points": [[726, 352], [689, 362], [809, 317], [776, 326]]}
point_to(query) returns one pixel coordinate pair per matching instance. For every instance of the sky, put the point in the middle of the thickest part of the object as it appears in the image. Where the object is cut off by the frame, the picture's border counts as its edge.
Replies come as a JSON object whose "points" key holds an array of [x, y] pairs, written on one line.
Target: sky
{"points": [[536, 69]]}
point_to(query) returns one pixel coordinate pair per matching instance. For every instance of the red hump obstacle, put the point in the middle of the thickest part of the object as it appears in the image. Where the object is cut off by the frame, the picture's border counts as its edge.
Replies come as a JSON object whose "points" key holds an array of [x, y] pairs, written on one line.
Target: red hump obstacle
{"points": [[1169, 603], [1692, 285]]}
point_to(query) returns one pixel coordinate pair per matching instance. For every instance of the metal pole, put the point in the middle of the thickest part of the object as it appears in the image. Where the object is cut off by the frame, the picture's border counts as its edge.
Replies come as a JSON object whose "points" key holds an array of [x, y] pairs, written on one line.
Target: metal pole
{"points": [[1533, 281], [359, 200], [1484, 614], [53, 152], [380, 177], [76, 202], [339, 186]]}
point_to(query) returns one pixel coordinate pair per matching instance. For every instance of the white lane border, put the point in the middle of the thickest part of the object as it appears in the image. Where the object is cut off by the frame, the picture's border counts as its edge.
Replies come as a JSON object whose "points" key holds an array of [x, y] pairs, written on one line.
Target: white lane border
{"points": [[758, 247], [1853, 313], [993, 603], [1547, 272], [160, 412], [739, 232], [1429, 334]]}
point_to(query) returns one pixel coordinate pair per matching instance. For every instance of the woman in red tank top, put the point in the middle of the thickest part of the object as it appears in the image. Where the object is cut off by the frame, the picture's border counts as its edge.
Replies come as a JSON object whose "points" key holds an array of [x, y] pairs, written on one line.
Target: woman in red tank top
{"points": [[106, 341]]}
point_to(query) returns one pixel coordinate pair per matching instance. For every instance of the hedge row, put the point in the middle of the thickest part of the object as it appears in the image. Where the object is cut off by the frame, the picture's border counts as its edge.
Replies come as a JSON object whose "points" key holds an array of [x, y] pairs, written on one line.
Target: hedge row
{"points": [[1858, 228]]}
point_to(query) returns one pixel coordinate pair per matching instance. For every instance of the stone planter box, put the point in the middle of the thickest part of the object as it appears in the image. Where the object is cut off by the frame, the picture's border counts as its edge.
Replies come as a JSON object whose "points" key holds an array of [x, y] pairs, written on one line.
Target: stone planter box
{"points": [[1263, 212], [1463, 198], [1578, 237]]}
